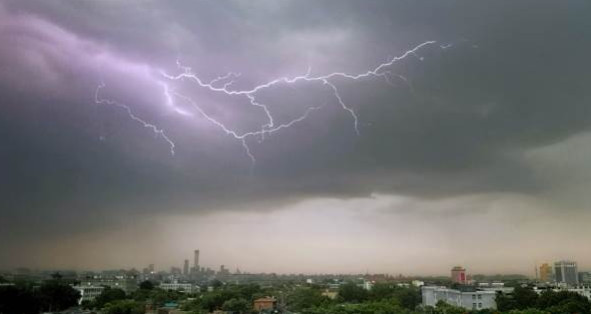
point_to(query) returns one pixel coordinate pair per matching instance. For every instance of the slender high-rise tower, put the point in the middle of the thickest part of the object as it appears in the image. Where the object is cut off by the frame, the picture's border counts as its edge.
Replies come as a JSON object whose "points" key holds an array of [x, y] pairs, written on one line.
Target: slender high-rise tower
{"points": [[196, 261], [186, 267]]}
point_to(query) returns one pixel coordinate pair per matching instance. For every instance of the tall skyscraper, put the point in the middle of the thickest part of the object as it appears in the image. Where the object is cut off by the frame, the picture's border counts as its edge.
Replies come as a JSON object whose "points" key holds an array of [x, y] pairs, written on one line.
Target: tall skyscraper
{"points": [[545, 273], [566, 272], [224, 270], [458, 275], [196, 261], [186, 267]]}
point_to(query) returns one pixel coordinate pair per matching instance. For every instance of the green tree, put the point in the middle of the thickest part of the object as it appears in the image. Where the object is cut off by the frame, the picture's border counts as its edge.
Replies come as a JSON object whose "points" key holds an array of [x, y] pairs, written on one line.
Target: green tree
{"points": [[160, 296], [249, 291], [86, 304], [379, 307], [216, 284], [213, 301], [141, 295], [236, 305], [304, 298], [381, 291], [193, 306], [408, 298], [19, 300], [563, 302], [108, 296], [146, 285], [444, 308], [570, 306], [123, 307], [505, 303], [528, 311], [58, 296], [351, 292], [525, 298], [56, 276]]}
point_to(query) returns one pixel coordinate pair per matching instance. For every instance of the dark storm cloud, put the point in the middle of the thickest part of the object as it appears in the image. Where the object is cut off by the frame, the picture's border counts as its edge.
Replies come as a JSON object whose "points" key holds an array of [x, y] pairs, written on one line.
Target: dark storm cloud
{"points": [[515, 78]]}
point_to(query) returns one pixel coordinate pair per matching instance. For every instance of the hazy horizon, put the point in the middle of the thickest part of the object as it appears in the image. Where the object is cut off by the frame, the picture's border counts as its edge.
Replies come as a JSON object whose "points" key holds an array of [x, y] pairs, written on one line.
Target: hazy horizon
{"points": [[295, 137]]}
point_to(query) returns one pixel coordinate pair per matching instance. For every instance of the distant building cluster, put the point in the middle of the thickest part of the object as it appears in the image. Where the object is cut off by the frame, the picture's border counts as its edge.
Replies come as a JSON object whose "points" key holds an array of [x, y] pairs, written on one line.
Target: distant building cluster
{"points": [[468, 293], [563, 272], [187, 272], [185, 279], [465, 292]]}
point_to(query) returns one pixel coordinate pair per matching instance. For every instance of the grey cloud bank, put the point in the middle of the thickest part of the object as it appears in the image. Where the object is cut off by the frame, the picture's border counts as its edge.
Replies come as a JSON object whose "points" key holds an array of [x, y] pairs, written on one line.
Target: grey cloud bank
{"points": [[490, 115]]}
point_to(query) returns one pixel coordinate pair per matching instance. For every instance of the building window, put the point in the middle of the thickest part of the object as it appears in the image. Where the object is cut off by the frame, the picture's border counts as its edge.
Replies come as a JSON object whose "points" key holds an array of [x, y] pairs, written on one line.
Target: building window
{"points": [[474, 305], [479, 305], [480, 296], [473, 297]]}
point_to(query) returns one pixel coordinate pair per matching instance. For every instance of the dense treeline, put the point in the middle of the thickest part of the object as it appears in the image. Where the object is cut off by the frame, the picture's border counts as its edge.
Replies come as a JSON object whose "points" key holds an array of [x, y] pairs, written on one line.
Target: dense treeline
{"points": [[383, 298], [549, 301], [233, 298], [116, 301], [391, 299], [51, 295]]}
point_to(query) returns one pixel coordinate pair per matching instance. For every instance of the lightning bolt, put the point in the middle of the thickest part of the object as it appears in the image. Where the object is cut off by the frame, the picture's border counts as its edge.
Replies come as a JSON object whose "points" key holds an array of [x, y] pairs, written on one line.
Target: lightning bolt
{"points": [[132, 116], [243, 137], [223, 85]]}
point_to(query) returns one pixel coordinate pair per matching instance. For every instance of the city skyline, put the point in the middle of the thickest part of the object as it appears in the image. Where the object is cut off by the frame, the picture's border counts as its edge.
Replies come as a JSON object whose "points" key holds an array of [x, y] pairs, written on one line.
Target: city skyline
{"points": [[290, 137], [543, 272]]}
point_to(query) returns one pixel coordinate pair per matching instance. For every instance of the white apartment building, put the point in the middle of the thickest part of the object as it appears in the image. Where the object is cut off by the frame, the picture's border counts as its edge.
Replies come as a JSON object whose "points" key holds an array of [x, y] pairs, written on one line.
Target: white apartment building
{"points": [[126, 284], [88, 293], [476, 300], [175, 285]]}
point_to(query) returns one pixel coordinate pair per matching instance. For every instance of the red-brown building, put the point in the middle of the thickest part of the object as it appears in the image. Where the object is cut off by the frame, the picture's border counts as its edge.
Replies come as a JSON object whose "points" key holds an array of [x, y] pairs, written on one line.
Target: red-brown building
{"points": [[266, 303], [458, 275]]}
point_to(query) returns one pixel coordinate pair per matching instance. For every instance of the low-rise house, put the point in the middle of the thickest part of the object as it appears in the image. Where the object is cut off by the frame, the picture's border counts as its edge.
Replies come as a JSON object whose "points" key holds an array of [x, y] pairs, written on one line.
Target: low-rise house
{"points": [[266, 303]]}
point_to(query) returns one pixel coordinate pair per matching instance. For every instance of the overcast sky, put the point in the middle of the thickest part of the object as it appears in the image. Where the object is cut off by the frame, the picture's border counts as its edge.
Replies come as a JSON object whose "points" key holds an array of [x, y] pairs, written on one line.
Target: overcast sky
{"points": [[469, 145]]}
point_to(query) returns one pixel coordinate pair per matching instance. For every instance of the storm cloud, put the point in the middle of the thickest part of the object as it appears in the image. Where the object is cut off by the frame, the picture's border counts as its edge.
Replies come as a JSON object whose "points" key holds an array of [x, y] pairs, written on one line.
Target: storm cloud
{"points": [[484, 114]]}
